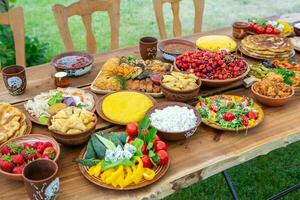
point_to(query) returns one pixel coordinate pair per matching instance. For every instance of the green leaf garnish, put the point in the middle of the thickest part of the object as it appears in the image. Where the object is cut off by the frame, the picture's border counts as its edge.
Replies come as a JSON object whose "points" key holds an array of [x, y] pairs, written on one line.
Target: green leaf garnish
{"points": [[55, 99], [44, 120]]}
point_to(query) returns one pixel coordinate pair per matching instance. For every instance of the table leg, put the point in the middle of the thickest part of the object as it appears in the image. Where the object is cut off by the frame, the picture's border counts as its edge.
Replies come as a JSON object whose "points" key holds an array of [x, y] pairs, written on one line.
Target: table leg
{"points": [[230, 185], [285, 192], [275, 197]]}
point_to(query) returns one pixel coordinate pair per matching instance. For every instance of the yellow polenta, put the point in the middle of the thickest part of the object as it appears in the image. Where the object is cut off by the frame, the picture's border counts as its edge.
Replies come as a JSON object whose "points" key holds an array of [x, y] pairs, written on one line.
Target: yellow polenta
{"points": [[124, 107]]}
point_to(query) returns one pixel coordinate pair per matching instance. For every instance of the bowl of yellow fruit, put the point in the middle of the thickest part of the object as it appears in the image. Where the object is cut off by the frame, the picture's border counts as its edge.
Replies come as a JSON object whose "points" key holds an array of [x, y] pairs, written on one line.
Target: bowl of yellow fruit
{"points": [[72, 126]]}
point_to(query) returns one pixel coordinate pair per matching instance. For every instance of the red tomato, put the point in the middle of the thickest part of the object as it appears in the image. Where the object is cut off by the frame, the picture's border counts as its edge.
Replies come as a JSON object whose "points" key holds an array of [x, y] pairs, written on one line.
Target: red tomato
{"points": [[130, 139], [252, 115], [132, 129], [160, 145], [260, 30], [163, 157], [147, 162], [245, 120], [276, 31], [144, 149], [269, 30], [156, 138], [228, 116]]}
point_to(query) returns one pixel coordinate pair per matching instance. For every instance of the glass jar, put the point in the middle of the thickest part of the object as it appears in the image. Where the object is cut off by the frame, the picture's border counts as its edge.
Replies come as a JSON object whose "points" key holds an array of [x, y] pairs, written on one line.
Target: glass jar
{"points": [[61, 79]]}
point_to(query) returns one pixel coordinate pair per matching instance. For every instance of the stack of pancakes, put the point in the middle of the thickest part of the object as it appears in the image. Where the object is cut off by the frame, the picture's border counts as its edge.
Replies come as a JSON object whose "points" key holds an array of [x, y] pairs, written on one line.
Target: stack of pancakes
{"points": [[266, 46]]}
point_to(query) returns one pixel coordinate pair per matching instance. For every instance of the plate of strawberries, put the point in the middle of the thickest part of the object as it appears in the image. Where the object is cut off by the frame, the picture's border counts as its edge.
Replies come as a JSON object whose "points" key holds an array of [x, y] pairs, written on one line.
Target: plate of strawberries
{"points": [[17, 152]]}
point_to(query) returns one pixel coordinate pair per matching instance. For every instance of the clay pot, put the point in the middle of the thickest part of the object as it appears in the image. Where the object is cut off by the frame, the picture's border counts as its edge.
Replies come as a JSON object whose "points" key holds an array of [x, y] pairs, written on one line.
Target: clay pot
{"points": [[269, 101], [14, 78], [73, 139], [148, 47], [40, 179]]}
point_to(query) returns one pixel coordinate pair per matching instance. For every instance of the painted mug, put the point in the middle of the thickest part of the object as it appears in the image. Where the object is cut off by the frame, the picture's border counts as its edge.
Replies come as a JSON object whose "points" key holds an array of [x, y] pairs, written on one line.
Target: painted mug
{"points": [[148, 47], [41, 180], [14, 78]]}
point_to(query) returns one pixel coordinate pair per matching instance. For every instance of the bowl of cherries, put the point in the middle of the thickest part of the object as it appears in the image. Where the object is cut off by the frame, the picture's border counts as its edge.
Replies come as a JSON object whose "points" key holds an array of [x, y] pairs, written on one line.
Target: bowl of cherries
{"points": [[215, 69]]}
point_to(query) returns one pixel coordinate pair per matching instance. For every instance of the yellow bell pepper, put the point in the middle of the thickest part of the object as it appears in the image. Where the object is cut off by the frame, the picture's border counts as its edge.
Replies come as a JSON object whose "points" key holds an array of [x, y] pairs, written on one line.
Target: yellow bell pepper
{"points": [[106, 174], [95, 170], [138, 172], [148, 174], [115, 175], [128, 178]]}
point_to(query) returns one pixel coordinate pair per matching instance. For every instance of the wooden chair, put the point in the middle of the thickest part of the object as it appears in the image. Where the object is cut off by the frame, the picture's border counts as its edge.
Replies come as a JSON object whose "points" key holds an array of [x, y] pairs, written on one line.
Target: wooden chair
{"points": [[158, 8], [15, 19], [85, 8]]}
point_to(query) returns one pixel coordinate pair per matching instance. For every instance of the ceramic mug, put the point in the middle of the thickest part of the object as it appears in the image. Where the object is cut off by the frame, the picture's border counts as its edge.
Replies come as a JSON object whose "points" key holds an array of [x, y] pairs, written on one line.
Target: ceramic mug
{"points": [[14, 78], [148, 47], [40, 179]]}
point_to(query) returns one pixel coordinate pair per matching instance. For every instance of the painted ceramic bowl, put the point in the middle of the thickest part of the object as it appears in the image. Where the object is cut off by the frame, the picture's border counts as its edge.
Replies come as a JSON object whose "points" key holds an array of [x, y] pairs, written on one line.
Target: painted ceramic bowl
{"points": [[172, 48], [73, 63], [29, 139]]}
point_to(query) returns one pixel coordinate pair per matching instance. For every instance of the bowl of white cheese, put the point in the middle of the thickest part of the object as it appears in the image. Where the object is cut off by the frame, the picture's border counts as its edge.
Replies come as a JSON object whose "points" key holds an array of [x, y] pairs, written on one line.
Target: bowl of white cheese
{"points": [[174, 120]]}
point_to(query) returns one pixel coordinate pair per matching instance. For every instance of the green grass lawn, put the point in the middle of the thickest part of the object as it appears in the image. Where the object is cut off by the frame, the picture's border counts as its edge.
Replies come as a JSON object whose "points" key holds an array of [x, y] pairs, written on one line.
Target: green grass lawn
{"points": [[256, 179]]}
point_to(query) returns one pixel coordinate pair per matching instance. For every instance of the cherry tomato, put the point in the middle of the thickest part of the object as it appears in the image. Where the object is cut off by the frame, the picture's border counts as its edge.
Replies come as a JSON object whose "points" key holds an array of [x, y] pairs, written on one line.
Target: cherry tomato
{"points": [[130, 139], [269, 30], [147, 162], [160, 145], [132, 129], [276, 31], [144, 149], [252, 115], [245, 120], [163, 157], [156, 138], [228, 116]]}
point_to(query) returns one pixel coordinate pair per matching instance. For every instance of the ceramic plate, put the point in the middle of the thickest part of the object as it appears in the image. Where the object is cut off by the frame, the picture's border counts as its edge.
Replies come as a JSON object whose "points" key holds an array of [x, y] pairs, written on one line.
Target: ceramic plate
{"points": [[215, 126]]}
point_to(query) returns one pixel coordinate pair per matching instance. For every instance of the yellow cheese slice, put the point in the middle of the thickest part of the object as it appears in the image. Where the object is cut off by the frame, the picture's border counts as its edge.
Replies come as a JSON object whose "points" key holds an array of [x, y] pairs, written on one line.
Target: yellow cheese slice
{"points": [[216, 42], [125, 107]]}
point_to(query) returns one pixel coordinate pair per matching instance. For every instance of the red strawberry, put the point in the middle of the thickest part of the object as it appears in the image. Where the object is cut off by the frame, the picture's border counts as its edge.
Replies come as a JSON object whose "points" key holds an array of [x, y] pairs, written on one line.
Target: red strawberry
{"points": [[39, 146], [30, 154], [18, 169], [6, 163], [27, 145], [5, 149], [44, 156], [48, 144], [18, 159], [12, 148], [50, 152]]}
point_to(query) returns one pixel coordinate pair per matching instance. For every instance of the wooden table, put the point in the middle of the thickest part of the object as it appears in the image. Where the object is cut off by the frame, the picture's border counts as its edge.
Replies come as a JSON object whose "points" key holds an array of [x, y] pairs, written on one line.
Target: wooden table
{"points": [[206, 153]]}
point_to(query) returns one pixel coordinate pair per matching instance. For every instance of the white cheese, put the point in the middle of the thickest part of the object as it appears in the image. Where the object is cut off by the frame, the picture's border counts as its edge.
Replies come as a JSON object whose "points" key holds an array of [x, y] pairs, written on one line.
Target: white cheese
{"points": [[173, 119]]}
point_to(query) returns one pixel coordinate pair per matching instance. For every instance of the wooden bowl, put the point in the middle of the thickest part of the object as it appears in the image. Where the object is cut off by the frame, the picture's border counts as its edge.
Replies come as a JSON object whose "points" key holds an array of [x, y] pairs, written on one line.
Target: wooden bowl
{"points": [[74, 71], [180, 95], [269, 101], [73, 139], [172, 56], [159, 172], [29, 139], [220, 83], [175, 136]]}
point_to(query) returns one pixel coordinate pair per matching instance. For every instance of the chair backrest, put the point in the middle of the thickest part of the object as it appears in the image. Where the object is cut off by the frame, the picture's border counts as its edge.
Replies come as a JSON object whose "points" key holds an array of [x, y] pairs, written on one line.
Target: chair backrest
{"points": [[158, 8], [15, 19], [85, 9]]}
